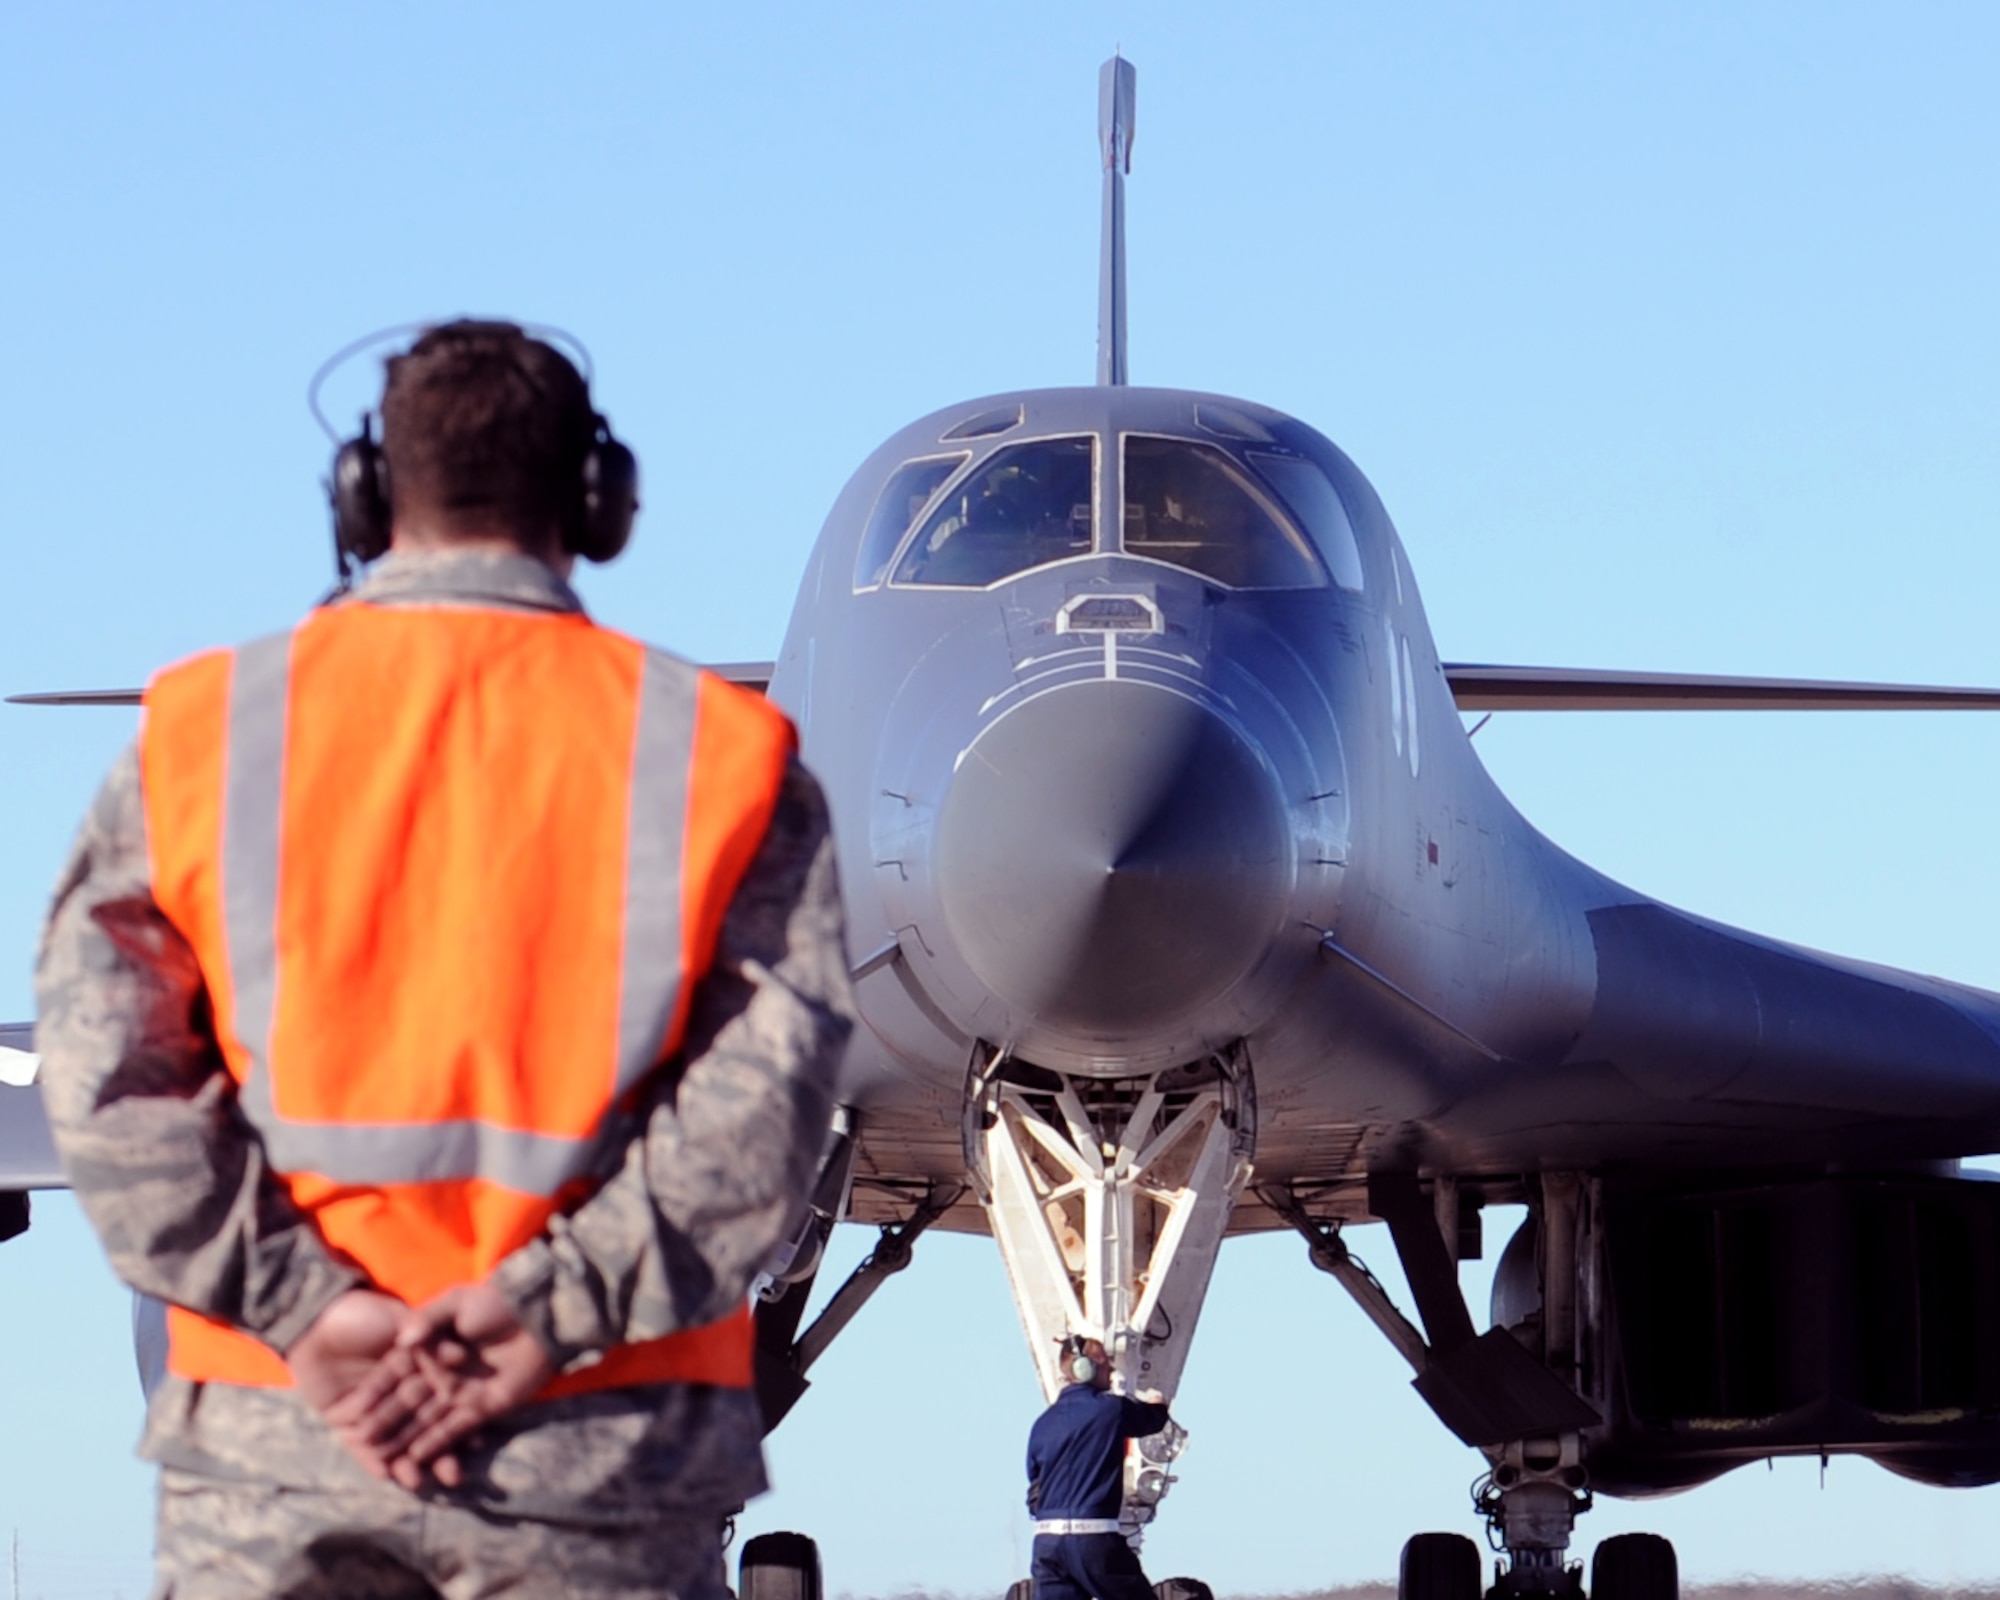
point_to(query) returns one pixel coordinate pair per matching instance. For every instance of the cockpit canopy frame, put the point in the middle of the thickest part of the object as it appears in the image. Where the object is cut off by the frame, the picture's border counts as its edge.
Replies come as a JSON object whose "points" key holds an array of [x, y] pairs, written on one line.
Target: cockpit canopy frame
{"points": [[1254, 517]]}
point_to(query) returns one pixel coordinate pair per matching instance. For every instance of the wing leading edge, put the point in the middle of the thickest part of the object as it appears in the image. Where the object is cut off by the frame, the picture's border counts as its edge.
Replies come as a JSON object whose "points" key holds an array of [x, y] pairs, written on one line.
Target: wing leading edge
{"points": [[1499, 688], [750, 674]]}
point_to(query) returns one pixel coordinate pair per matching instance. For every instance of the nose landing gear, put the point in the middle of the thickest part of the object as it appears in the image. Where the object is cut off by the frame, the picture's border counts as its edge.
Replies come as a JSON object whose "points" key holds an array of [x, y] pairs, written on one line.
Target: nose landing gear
{"points": [[1108, 1198]]}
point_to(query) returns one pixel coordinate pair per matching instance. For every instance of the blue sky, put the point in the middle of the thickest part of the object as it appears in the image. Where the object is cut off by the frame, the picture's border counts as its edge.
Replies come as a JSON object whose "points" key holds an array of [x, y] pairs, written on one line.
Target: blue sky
{"points": [[1667, 333]]}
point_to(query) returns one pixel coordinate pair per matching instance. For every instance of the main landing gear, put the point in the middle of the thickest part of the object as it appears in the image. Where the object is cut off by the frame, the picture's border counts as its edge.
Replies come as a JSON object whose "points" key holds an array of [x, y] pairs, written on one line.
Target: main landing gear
{"points": [[1516, 1392], [1627, 1566]]}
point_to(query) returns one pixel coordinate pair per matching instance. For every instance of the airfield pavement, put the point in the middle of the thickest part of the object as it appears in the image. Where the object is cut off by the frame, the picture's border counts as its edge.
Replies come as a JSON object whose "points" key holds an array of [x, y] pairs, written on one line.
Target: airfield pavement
{"points": [[1869, 1588], [1863, 1588]]}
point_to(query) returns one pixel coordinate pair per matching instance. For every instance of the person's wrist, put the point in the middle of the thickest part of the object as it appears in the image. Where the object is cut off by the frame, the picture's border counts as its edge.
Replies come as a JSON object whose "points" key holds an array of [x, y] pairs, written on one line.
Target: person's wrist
{"points": [[321, 1287], [527, 1281]]}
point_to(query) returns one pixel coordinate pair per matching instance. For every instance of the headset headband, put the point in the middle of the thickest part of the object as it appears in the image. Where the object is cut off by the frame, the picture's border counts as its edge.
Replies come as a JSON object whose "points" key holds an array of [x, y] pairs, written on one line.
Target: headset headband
{"points": [[547, 332]]}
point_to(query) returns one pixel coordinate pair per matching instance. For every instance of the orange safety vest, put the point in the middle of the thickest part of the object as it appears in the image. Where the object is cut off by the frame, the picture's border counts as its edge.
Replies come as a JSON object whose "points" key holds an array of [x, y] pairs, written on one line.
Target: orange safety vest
{"points": [[451, 876]]}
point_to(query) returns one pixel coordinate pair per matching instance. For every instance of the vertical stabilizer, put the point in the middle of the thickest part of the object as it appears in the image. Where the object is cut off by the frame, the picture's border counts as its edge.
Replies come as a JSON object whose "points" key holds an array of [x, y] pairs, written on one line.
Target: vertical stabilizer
{"points": [[1117, 102]]}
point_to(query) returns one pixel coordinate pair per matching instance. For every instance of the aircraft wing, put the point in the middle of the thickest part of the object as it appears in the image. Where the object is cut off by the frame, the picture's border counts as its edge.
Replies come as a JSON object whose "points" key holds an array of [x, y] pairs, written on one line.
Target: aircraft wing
{"points": [[80, 697], [1479, 687], [27, 1155], [17, 1053], [750, 674]]}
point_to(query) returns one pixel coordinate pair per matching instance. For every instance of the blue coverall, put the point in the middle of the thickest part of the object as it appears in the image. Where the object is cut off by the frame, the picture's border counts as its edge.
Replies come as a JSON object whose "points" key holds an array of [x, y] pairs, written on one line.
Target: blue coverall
{"points": [[1076, 1471]]}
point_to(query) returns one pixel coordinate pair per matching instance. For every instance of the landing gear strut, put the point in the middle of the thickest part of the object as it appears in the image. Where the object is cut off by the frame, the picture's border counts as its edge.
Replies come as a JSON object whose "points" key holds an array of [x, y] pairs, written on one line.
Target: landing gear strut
{"points": [[1108, 1198], [1516, 1392], [1531, 1500]]}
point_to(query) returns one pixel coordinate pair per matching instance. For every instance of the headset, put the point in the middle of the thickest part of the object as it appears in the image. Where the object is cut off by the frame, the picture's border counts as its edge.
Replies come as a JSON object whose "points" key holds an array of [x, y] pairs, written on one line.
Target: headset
{"points": [[597, 529], [1077, 1367]]}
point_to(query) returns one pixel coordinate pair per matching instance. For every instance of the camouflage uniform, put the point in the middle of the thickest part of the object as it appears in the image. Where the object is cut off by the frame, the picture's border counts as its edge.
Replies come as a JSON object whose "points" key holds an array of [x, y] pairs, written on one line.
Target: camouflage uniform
{"points": [[563, 1496]]}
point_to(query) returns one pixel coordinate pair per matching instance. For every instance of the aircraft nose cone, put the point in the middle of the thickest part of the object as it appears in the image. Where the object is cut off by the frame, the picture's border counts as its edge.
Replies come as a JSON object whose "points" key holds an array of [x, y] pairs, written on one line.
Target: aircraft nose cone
{"points": [[1111, 857]]}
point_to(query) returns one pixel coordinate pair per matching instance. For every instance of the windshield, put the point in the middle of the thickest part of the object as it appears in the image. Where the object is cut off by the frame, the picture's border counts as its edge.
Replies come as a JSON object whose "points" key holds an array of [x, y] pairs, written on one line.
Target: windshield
{"points": [[1311, 497], [1189, 504], [1027, 506], [897, 508]]}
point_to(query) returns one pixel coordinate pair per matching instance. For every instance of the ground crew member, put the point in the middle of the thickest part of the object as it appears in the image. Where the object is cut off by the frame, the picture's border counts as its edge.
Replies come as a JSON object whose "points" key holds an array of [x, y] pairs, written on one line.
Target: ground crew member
{"points": [[450, 951], [1076, 1482]]}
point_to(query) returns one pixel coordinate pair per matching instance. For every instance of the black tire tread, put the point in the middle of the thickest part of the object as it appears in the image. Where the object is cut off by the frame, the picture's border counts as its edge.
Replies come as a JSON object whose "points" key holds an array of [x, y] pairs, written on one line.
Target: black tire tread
{"points": [[1635, 1566], [778, 1566], [1439, 1566]]}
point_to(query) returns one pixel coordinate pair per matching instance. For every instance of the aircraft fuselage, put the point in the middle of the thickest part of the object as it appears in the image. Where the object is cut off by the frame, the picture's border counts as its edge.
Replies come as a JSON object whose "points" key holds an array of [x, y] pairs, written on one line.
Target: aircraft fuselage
{"points": [[1139, 749]]}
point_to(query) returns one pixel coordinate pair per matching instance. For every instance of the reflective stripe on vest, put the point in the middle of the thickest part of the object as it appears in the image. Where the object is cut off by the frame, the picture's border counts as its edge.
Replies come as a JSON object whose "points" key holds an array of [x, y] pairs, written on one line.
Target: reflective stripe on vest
{"points": [[451, 875]]}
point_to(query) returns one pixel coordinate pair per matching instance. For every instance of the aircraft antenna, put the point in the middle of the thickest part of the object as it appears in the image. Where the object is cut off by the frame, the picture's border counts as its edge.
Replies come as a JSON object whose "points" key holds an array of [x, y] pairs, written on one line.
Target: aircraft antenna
{"points": [[1117, 106]]}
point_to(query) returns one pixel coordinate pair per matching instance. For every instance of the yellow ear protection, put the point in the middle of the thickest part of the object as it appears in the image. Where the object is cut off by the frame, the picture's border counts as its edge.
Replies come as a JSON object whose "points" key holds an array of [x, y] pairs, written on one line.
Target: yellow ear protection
{"points": [[608, 495], [1077, 1366]]}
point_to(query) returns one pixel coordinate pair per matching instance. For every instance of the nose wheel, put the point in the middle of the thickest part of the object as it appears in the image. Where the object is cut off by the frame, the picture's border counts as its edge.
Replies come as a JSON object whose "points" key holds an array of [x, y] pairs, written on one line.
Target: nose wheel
{"points": [[779, 1566]]}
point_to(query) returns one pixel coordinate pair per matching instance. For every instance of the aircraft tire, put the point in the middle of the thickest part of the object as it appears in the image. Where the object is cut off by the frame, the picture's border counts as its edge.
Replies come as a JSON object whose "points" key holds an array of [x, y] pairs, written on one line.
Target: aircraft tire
{"points": [[1182, 1589], [1439, 1566], [778, 1566], [1635, 1566]]}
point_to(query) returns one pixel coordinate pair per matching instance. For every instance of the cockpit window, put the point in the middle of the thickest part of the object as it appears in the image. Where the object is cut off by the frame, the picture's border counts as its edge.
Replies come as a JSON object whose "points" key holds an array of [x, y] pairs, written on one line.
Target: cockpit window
{"points": [[1311, 497], [1027, 506], [1190, 504], [897, 508]]}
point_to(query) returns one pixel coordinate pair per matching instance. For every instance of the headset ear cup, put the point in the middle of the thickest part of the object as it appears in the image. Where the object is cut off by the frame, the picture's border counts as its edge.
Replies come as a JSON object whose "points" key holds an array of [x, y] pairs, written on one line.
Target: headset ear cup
{"points": [[610, 499], [360, 495], [1083, 1369]]}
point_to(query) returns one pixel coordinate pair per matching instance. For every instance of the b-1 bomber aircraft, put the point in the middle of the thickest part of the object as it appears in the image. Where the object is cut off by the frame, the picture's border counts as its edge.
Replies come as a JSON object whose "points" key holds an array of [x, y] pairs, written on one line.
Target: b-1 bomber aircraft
{"points": [[1183, 909]]}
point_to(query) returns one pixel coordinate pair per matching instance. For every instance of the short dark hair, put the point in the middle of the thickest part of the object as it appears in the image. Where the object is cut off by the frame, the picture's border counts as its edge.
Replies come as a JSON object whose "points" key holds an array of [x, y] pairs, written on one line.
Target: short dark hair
{"points": [[482, 423]]}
